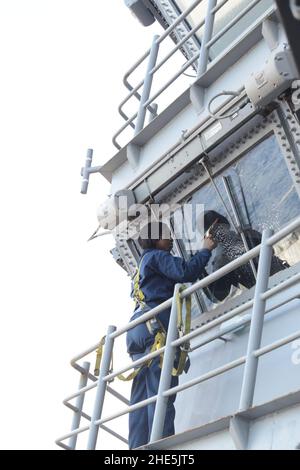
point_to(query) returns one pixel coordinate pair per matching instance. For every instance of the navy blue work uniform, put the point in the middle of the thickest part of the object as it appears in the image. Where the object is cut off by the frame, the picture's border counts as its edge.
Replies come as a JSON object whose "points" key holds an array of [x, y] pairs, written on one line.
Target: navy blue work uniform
{"points": [[159, 272]]}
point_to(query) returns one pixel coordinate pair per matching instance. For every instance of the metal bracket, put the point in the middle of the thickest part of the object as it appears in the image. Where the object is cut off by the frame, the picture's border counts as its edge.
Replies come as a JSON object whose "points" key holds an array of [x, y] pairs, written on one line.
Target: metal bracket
{"points": [[239, 431]]}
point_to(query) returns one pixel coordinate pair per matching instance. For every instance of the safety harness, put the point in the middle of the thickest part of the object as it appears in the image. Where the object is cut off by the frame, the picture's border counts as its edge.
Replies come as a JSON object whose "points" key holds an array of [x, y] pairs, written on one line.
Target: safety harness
{"points": [[160, 337]]}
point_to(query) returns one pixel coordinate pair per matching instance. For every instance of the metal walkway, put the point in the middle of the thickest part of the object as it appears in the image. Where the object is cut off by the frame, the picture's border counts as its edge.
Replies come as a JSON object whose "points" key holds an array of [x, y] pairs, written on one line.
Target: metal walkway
{"points": [[250, 360]]}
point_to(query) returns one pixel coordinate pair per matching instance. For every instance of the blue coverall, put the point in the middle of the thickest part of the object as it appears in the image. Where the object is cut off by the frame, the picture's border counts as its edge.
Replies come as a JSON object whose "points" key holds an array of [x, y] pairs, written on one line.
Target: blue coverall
{"points": [[159, 272]]}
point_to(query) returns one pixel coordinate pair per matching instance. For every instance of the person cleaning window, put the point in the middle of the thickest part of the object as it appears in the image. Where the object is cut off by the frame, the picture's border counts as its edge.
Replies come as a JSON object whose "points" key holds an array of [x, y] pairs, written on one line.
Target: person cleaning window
{"points": [[229, 248], [158, 273]]}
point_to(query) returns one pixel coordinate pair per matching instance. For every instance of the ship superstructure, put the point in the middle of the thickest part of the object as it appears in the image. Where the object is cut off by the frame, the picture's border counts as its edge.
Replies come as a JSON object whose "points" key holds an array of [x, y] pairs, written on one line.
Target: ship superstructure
{"points": [[221, 129]]}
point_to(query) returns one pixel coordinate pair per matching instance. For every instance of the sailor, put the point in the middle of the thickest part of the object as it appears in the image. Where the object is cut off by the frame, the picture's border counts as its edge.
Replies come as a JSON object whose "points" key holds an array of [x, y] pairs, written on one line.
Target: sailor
{"points": [[159, 271], [230, 247]]}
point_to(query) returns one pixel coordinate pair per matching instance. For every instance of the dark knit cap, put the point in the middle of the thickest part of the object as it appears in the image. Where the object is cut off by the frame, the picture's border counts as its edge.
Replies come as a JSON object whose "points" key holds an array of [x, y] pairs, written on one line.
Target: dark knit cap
{"points": [[211, 216]]}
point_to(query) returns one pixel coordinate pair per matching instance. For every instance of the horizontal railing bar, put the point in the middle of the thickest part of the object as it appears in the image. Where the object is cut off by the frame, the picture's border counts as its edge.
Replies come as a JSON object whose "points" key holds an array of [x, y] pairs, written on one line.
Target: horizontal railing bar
{"points": [[193, 31], [64, 446], [146, 316], [134, 364], [240, 261], [117, 395], [86, 416], [136, 88], [212, 324], [81, 356], [287, 283], [132, 118], [83, 429], [277, 344], [218, 334], [169, 82], [160, 39], [178, 45], [186, 38], [231, 23], [127, 410], [90, 387], [91, 376], [240, 309], [231, 365], [113, 433], [80, 392], [246, 319], [184, 14], [207, 327], [73, 433], [222, 271], [181, 17], [204, 377], [74, 408], [133, 92]]}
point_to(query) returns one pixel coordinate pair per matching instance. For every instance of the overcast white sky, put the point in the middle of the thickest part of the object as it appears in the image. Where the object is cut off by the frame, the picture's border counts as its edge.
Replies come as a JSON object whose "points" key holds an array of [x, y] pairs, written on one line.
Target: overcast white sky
{"points": [[62, 63]]}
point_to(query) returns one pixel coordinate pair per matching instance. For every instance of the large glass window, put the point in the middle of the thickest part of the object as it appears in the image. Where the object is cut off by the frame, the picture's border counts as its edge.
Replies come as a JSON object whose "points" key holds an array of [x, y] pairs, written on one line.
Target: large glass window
{"points": [[261, 193], [230, 10]]}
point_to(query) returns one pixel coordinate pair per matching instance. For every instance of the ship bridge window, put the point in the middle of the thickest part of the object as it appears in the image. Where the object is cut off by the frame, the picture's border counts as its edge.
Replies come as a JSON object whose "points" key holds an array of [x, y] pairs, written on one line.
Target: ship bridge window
{"points": [[258, 192], [223, 16]]}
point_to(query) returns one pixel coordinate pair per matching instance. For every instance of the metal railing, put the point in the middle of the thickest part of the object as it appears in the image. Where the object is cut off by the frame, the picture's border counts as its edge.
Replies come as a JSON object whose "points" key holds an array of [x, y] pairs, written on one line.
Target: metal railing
{"points": [[250, 359], [146, 100]]}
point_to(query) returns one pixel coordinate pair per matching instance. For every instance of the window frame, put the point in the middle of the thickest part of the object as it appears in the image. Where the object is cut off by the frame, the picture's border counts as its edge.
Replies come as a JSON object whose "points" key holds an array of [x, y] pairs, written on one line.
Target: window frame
{"points": [[272, 125]]}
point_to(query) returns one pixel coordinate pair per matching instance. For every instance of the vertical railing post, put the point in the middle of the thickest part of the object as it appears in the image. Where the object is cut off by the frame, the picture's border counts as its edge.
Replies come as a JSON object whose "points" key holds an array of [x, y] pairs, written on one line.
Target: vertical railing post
{"points": [[79, 404], [207, 35], [257, 322], [166, 373], [101, 388], [147, 85], [197, 92]]}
